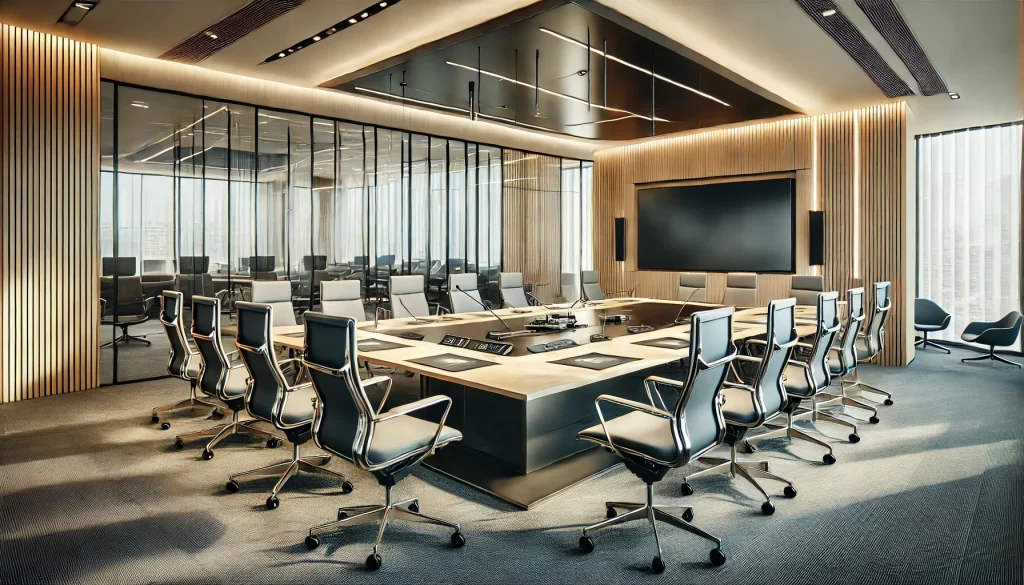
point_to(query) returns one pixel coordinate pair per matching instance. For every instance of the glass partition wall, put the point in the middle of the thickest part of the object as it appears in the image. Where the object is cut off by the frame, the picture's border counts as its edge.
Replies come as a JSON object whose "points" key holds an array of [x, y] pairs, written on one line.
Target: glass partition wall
{"points": [[204, 197]]}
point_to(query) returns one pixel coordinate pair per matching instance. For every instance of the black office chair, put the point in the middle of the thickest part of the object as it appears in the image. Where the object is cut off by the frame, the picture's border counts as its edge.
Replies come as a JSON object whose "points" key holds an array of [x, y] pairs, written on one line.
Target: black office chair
{"points": [[745, 407], [183, 362], [219, 379], [805, 379], [871, 343], [270, 397], [846, 353], [652, 440], [133, 308], [929, 317], [389, 445], [1001, 333]]}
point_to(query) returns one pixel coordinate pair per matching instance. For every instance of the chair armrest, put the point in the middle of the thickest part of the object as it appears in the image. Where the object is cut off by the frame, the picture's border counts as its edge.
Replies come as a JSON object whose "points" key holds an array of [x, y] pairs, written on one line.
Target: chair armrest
{"points": [[748, 358], [799, 364], [387, 389], [651, 383], [729, 384], [405, 410], [148, 305], [632, 405], [439, 309]]}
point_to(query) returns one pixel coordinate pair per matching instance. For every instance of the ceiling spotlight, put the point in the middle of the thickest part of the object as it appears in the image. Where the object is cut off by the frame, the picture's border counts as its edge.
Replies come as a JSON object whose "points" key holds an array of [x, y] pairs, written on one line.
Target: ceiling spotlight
{"points": [[364, 15], [954, 95], [291, 50], [383, 4], [316, 38], [85, 5], [352, 21], [140, 105], [281, 55], [211, 35], [829, 12]]}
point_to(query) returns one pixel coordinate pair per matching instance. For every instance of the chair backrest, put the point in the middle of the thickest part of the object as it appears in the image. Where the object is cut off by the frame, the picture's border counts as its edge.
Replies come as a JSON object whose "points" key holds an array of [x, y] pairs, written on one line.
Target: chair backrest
{"points": [[277, 294], [570, 286], [130, 296], [740, 290], [341, 298], [510, 284], [699, 425], [265, 394], [264, 275], [310, 263], [693, 286], [928, 312], [781, 339], [592, 286], [854, 321], [825, 335], [875, 339], [170, 318], [407, 296], [206, 333], [806, 288], [467, 301], [343, 416]]}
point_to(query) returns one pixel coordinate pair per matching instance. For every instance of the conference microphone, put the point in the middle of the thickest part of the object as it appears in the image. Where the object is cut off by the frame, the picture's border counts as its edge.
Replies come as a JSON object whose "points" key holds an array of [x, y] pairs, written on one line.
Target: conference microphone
{"points": [[486, 308], [418, 319], [683, 306]]}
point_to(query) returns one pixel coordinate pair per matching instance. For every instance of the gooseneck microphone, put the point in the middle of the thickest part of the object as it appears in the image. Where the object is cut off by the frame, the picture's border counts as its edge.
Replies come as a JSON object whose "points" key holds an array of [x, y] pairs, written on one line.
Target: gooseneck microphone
{"points": [[683, 306], [486, 308], [418, 319]]}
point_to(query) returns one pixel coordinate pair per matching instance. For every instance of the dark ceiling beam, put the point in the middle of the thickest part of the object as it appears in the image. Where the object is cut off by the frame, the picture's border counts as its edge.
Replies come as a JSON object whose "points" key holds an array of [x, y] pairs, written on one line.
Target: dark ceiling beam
{"points": [[886, 18], [850, 39], [228, 30]]}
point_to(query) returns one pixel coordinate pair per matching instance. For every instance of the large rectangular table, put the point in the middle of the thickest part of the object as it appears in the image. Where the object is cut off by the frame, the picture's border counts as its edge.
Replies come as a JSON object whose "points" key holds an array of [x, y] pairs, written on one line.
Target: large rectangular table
{"points": [[520, 415]]}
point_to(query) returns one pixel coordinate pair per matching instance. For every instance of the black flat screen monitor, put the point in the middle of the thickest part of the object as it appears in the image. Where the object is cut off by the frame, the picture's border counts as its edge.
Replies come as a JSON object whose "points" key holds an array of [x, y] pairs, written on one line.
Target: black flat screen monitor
{"points": [[194, 264], [125, 266], [741, 226]]}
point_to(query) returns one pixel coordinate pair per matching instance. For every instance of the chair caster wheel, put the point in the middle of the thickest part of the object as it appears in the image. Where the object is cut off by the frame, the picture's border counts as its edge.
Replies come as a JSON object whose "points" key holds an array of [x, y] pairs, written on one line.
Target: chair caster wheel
{"points": [[688, 515], [342, 514], [179, 444], [828, 459], [717, 557], [789, 491], [748, 447], [414, 507], [458, 540], [888, 402], [273, 443], [231, 486], [686, 489], [611, 513], [873, 420], [767, 508], [165, 425], [216, 415], [273, 503], [373, 562], [657, 565], [854, 438], [409, 374], [207, 454], [347, 487], [586, 544], [155, 419], [312, 541]]}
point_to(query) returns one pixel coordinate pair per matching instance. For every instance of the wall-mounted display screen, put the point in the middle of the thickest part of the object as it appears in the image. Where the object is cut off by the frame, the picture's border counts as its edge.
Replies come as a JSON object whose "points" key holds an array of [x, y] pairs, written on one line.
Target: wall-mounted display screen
{"points": [[739, 226]]}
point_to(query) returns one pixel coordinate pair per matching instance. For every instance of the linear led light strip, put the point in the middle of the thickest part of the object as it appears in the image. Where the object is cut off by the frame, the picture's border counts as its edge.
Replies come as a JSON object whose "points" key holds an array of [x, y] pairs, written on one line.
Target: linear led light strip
{"points": [[549, 92], [632, 66], [171, 135], [452, 108]]}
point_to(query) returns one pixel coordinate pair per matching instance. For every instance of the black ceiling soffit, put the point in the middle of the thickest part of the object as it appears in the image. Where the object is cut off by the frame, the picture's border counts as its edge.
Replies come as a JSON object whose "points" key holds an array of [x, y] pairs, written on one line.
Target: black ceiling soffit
{"points": [[228, 30], [847, 36], [353, 20], [886, 18], [558, 67], [77, 11]]}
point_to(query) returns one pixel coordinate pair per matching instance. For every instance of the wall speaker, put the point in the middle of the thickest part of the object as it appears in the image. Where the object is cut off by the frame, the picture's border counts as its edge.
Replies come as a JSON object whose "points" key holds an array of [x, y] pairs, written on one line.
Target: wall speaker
{"points": [[816, 248], [620, 239]]}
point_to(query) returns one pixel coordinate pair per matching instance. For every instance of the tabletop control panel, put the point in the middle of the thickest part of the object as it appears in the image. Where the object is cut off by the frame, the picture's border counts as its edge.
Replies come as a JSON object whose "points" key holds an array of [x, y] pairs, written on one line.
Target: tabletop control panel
{"points": [[491, 347], [552, 346]]}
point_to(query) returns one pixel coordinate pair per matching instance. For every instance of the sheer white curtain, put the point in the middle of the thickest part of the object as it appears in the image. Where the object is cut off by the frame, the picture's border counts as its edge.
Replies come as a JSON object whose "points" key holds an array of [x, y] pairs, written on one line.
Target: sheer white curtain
{"points": [[577, 216], [969, 226]]}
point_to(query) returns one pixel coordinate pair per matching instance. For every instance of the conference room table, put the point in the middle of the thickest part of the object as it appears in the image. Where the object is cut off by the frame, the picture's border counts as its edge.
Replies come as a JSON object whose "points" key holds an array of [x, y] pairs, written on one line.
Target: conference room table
{"points": [[520, 413]]}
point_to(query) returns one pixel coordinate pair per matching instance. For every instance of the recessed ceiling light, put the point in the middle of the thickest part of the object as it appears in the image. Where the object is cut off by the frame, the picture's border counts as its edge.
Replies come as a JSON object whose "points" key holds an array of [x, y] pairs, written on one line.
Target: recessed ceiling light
{"points": [[383, 4], [352, 21], [291, 50], [140, 105], [316, 38], [954, 95], [829, 12], [84, 5], [364, 15], [280, 55]]}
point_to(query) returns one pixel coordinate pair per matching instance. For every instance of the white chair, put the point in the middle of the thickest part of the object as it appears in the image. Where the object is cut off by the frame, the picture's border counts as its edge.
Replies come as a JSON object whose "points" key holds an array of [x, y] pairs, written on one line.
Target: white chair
{"points": [[468, 300], [510, 284], [693, 286], [740, 290], [592, 286], [407, 296], [570, 286], [806, 289], [277, 294], [341, 298]]}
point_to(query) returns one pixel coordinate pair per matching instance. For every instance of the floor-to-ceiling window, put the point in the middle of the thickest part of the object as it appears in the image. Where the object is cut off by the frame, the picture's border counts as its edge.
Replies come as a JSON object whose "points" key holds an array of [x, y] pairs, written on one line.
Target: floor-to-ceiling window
{"points": [[969, 223]]}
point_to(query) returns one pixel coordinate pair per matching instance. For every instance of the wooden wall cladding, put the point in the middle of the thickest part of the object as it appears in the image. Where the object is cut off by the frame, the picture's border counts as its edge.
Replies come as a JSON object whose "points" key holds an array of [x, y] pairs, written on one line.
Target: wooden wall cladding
{"points": [[859, 161], [49, 215], [532, 220]]}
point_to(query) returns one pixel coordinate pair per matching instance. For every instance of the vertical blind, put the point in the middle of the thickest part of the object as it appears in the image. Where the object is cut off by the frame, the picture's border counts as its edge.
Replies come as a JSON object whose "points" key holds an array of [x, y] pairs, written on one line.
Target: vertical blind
{"points": [[969, 223]]}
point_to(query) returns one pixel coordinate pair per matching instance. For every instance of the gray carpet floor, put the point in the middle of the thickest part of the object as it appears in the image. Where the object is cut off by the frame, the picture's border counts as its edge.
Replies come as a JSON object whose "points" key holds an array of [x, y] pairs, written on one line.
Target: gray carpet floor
{"points": [[91, 492]]}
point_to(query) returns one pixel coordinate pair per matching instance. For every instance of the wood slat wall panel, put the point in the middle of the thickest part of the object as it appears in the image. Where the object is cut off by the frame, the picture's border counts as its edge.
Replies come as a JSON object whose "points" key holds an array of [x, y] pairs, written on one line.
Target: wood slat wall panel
{"points": [[531, 237], [861, 180], [49, 215]]}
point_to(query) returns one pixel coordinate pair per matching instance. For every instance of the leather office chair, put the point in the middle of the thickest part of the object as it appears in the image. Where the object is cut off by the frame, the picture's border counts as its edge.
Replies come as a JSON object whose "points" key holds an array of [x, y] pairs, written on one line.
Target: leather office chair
{"points": [[183, 362], [652, 440], [570, 287], [740, 290], [870, 343], [806, 288], [407, 297], [219, 379], [510, 284], [592, 286], [270, 275], [693, 286], [929, 317], [133, 308], [342, 298], [805, 379], [467, 301], [745, 407], [270, 397], [389, 444], [846, 351], [277, 294], [1001, 333]]}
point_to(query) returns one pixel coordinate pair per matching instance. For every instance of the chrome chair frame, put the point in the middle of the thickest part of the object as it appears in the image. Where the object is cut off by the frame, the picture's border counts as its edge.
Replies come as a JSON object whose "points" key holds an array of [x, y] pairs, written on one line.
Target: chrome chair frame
{"points": [[174, 323], [874, 346], [847, 354]]}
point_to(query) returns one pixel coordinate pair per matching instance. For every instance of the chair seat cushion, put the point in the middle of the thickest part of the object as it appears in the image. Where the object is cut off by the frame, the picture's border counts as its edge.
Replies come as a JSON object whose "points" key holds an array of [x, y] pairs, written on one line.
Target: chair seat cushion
{"points": [[796, 382], [639, 432], [298, 406], [192, 371], [861, 349], [236, 382], [405, 435], [970, 336], [928, 327], [738, 407]]}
